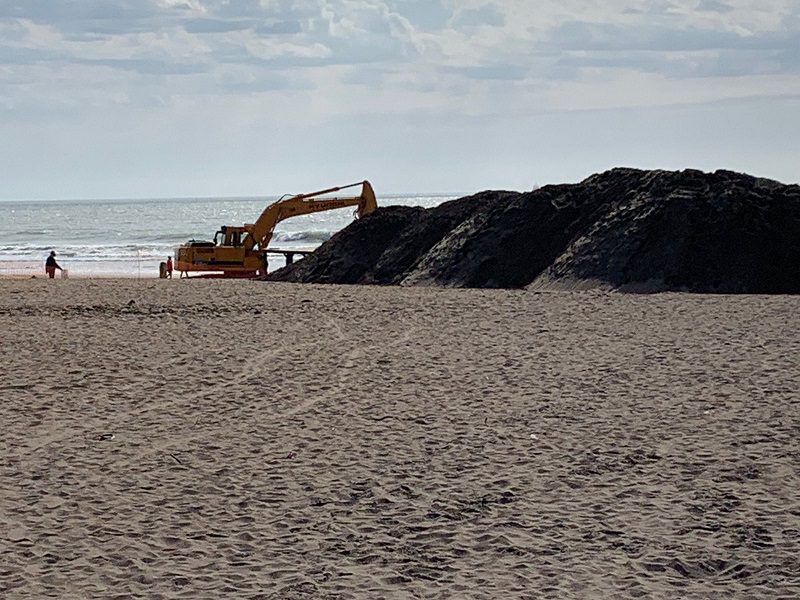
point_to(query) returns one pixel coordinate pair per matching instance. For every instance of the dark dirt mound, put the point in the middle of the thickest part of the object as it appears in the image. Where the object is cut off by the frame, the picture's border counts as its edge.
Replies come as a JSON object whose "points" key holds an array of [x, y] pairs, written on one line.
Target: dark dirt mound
{"points": [[624, 229]]}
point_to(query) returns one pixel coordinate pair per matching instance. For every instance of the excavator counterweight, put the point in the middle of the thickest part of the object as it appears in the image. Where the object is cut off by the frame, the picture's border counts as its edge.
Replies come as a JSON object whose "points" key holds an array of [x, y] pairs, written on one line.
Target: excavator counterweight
{"points": [[241, 251]]}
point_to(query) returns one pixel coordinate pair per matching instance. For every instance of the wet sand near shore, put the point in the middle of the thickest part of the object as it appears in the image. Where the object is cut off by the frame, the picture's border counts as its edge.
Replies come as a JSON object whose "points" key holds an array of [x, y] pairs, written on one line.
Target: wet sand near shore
{"points": [[208, 439], [106, 270]]}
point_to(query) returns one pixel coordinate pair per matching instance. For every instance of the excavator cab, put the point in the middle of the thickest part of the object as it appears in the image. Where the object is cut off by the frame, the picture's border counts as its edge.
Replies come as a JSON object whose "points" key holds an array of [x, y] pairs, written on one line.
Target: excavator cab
{"points": [[230, 235]]}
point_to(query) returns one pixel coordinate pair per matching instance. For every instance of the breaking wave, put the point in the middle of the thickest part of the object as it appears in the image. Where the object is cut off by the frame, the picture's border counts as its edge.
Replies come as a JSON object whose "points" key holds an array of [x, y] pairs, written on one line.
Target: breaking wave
{"points": [[317, 237], [148, 249]]}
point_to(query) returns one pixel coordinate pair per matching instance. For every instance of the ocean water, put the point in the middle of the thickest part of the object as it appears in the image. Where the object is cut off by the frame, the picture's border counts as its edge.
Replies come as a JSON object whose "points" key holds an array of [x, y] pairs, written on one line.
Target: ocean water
{"points": [[129, 238]]}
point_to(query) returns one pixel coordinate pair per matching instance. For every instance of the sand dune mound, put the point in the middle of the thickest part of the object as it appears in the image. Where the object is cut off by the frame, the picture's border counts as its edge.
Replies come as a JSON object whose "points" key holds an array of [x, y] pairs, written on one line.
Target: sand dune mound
{"points": [[624, 229]]}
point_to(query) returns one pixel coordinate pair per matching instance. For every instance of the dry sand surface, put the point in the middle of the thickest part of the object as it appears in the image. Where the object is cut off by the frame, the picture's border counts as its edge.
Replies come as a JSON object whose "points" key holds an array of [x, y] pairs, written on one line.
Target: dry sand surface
{"points": [[210, 439]]}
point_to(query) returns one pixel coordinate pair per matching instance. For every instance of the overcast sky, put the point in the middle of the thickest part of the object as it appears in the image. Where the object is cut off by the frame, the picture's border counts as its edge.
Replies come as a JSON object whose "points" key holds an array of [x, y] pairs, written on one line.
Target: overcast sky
{"points": [[161, 98]]}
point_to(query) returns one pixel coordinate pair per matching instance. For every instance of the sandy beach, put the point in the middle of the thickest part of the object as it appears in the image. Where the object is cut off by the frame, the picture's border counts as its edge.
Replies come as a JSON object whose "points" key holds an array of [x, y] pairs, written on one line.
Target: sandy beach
{"points": [[237, 439]]}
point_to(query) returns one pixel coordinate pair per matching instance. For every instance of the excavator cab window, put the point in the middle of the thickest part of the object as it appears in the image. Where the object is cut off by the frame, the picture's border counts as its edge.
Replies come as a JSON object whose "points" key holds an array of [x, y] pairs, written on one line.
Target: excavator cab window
{"points": [[230, 236]]}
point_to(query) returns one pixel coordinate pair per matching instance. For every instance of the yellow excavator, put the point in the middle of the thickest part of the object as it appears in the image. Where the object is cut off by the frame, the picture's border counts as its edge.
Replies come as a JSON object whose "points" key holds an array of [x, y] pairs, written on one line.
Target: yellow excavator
{"points": [[241, 251]]}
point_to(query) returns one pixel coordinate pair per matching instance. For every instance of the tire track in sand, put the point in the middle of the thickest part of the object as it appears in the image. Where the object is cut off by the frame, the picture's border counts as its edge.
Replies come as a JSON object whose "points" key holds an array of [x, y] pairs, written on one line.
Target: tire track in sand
{"points": [[350, 362]]}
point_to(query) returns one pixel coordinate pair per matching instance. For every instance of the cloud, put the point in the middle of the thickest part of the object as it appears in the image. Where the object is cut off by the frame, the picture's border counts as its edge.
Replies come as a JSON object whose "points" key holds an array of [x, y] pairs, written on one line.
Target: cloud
{"points": [[192, 67], [422, 51], [279, 27], [686, 53], [583, 36], [148, 66], [714, 6], [214, 25], [491, 72], [424, 15], [483, 16], [475, 35]]}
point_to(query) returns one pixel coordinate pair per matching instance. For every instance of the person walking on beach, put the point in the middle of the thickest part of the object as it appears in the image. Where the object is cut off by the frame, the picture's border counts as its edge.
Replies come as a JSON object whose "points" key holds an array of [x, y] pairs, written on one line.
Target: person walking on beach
{"points": [[51, 265], [169, 267]]}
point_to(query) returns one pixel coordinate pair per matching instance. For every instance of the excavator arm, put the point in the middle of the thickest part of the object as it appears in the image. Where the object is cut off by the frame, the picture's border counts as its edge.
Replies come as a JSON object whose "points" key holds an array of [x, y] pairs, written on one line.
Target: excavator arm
{"points": [[259, 234]]}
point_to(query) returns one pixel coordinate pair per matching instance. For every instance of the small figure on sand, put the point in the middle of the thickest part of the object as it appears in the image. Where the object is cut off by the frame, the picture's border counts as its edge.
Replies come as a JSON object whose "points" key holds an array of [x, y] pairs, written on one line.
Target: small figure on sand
{"points": [[51, 265], [169, 267]]}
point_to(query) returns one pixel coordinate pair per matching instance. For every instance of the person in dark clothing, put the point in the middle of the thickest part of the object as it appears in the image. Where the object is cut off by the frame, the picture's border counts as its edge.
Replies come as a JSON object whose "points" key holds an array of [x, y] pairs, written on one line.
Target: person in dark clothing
{"points": [[169, 267], [51, 265]]}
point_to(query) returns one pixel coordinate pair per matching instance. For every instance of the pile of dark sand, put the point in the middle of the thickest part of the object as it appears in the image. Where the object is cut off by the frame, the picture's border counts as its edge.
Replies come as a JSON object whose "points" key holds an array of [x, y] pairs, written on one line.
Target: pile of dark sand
{"points": [[624, 229]]}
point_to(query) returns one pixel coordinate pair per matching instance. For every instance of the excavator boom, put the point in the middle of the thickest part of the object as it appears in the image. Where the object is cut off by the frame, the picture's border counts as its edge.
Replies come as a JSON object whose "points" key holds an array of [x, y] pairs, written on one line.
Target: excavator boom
{"points": [[260, 234], [240, 251]]}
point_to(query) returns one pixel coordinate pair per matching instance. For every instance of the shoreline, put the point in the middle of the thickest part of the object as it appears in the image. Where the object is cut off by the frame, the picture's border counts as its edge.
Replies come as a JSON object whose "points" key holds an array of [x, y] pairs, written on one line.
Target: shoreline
{"points": [[16, 269], [78, 277], [81, 270]]}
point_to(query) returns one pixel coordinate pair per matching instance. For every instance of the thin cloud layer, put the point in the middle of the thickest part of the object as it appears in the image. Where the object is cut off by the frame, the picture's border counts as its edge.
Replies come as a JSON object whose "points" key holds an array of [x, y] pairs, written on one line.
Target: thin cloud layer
{"points": [[478, 40], [326, 62]]}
